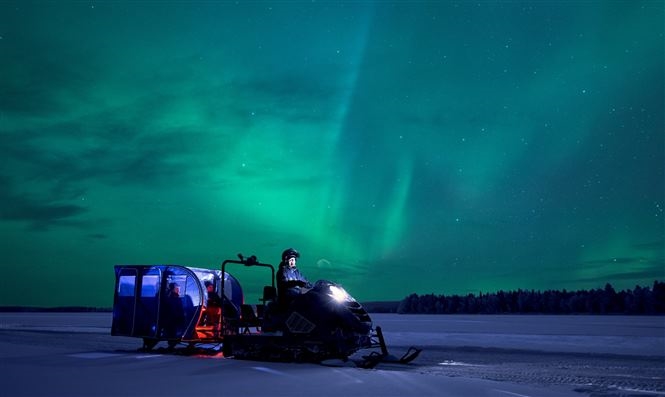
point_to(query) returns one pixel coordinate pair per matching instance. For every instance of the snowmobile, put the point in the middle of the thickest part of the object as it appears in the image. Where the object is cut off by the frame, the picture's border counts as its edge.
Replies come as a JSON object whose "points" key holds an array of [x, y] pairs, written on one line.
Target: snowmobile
{"points": [[173, 303]]}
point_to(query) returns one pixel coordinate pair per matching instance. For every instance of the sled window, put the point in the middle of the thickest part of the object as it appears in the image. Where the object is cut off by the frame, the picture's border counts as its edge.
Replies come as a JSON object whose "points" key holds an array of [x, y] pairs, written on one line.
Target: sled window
{"points": [[126, 285], [150, 285]]}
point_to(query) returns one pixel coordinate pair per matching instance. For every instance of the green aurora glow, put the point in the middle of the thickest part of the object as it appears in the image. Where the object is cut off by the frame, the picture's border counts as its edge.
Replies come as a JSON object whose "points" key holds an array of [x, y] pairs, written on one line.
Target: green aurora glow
{"points": [[445, 147]]}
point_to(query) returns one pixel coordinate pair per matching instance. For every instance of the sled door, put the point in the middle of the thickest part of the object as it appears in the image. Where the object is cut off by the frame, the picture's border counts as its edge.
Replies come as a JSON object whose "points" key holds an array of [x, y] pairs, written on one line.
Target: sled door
{"points": [[124, 302], [147, 308]]}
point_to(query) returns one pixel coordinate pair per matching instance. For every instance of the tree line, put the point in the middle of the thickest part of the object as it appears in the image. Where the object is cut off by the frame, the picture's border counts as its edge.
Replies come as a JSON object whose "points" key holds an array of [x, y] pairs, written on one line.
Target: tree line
{"points": [[640, 300], [58, 309]]}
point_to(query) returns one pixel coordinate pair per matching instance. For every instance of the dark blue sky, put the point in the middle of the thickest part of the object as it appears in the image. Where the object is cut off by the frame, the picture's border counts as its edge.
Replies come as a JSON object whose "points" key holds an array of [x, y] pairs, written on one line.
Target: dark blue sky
{"points": [[428, 147]]}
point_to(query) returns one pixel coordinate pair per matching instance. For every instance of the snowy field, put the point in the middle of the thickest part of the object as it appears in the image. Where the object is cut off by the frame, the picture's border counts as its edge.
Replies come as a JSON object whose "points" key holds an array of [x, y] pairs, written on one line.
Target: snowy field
{"points": [[73, 354]]}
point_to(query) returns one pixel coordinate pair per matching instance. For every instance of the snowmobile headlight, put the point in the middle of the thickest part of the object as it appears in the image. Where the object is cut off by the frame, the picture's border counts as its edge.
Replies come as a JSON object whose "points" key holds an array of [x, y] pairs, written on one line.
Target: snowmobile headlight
{"points": [[339, 294]]}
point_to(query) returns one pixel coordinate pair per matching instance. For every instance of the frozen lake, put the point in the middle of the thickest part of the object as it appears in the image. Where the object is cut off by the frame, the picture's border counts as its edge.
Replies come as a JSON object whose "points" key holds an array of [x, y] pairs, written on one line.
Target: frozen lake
{"points": [[73, 354]]}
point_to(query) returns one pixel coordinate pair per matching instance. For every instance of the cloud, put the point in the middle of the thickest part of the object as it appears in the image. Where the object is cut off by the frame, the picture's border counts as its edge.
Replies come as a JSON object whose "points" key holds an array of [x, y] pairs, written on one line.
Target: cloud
{"points": [[654, 272], [47, 171], [624, 269], [657, 246], [39, 214], [613, 261]]}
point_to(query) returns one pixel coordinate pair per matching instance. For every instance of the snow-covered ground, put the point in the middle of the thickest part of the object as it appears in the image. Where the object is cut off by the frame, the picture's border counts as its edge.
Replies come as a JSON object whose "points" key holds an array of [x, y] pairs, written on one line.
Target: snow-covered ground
{"points": [[73, 354]]}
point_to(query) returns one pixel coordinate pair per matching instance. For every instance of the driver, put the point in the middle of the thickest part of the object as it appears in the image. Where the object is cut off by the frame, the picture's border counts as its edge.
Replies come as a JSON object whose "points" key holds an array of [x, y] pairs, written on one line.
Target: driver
{"points": [[289, 279]]}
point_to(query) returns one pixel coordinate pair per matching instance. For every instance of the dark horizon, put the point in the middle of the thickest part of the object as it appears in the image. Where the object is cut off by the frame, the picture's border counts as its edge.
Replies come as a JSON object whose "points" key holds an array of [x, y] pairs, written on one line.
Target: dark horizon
{"points": [[605, 301]]}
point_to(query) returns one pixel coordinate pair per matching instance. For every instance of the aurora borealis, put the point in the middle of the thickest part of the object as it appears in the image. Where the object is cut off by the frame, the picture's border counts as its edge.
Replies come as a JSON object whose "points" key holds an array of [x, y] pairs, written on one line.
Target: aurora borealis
{"points": [[427, 147]]}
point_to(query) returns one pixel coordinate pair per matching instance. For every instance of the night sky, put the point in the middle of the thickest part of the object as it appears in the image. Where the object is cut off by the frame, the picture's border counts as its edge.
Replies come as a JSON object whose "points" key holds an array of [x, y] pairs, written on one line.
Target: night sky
{"points": [[401, 147]]}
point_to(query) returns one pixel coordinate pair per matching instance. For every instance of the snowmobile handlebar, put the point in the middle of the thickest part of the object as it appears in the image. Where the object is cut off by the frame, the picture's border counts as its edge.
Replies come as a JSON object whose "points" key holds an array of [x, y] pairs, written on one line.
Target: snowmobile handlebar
{"points": [[250, 261]]}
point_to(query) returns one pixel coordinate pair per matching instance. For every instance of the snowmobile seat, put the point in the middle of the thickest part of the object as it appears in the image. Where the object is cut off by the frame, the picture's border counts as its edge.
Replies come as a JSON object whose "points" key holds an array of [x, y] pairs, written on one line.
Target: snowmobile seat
{"points": [[248, 319], [269, 294], [269, 300]]}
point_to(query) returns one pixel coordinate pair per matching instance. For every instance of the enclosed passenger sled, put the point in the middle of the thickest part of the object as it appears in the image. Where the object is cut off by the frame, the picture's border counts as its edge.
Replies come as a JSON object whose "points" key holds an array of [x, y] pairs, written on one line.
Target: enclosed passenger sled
{"points": [[205, 309]]}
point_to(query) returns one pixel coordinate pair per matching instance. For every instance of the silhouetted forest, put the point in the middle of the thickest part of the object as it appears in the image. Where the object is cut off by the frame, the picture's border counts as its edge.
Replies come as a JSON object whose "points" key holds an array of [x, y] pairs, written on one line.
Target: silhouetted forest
{"points": [[640, 300], [59, 309]]}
